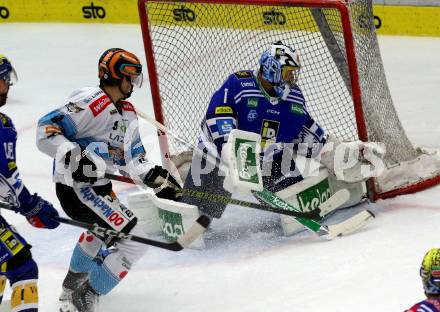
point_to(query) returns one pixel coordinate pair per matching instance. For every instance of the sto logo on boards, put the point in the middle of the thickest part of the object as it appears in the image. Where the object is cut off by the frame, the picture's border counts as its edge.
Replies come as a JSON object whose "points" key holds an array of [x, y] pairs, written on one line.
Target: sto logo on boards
{"points": [[183, 14], [93, 11], [274, 18], [4, 12]]}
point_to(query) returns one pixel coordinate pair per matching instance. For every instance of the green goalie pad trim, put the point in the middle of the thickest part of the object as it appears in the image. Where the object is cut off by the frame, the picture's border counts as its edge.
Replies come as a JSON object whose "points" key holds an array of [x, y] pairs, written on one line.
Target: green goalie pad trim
{"points": [[274, 201]]}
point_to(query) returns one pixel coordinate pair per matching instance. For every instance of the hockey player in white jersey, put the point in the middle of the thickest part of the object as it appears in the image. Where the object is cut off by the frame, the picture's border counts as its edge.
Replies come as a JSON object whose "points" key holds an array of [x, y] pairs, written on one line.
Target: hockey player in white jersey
{"points": [[97, 130]]}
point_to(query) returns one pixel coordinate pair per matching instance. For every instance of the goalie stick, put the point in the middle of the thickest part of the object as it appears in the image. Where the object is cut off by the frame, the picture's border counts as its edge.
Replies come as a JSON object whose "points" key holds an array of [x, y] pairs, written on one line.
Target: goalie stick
{"points": [[277, 205], [194, 232], [313, 214]]}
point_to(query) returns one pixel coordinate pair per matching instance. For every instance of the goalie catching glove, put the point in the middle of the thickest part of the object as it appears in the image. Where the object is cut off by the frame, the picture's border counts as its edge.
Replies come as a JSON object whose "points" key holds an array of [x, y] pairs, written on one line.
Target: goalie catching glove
{"points": [[163, 183], [354, 161]]}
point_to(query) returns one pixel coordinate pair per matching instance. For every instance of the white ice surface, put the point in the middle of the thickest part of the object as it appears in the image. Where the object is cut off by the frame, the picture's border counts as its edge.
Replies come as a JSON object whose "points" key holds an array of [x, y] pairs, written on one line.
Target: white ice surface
{"points": [[244, 268]]}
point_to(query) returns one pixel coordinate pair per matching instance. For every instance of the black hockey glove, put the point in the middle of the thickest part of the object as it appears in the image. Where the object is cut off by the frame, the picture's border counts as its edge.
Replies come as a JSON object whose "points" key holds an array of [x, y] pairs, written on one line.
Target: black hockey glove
{"points": [[163, 183], [82, 166]]}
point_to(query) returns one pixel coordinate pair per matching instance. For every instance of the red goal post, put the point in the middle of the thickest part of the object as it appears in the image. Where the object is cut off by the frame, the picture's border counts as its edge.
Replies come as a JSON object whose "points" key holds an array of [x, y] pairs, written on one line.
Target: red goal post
{"points": [[192, 46]]}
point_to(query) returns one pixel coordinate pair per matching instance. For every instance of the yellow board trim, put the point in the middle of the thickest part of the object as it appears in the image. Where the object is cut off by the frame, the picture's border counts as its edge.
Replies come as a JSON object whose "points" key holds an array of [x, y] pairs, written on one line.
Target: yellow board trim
{"points": [[408, 20], [393, 20]]}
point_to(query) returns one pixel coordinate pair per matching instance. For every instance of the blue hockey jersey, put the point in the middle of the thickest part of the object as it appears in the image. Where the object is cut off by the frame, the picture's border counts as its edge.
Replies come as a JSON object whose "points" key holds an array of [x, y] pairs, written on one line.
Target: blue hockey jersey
{"points": [[242, 103], [12, 190]]}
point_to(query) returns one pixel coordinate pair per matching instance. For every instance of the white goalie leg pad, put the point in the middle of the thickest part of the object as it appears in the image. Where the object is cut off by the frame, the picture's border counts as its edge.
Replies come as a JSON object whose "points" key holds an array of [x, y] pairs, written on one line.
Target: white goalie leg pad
{"points": [[163, 216], [307, 195], [175, 218], [353, 161], [142, 206]]}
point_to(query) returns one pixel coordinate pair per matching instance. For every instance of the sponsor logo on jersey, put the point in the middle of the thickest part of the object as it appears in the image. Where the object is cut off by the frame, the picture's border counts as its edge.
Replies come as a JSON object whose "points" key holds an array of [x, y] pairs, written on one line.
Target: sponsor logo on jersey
{"points": [[5, 121], [248, 84], [4, 12], [269, 132], [110, 215], [12, 165], [252, 102], [223, 110], [184, 14], [252, 115], [314, 196], [127, 106], [113, 111], [243, 74], [297, 109], [73, 108], [224, 126], [93, 11], [272, 111], [100, 105]]}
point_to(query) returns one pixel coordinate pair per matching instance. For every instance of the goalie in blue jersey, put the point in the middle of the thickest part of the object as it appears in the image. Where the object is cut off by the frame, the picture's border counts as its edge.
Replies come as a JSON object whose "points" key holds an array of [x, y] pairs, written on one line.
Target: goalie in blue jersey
{"points": [[16, 262], [269, 102]]}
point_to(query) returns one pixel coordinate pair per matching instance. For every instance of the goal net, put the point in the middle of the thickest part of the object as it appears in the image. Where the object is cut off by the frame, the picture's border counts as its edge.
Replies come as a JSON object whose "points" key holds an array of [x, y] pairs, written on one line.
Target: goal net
{"points": [[193, 46]]}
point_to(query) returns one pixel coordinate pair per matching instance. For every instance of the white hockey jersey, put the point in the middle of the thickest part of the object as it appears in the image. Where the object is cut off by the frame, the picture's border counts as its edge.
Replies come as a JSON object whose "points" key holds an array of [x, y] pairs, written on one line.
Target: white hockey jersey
{"points": [[91, 120]]}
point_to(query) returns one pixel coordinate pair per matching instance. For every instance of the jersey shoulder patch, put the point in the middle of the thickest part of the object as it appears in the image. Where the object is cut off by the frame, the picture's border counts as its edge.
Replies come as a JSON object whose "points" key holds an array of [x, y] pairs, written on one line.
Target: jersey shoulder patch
{"points": [[243, 74], [5, 121], [100, 104], [128, 107]]}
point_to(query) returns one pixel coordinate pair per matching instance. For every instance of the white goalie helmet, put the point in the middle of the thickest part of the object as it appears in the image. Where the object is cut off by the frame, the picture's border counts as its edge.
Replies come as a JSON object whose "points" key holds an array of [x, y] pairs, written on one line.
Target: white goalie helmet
{"points": [[280, 65]]}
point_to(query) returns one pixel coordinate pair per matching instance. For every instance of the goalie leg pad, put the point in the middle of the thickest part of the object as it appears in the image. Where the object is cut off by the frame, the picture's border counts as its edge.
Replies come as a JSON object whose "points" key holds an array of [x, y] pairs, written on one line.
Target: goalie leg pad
{"points": [[24, 297]]}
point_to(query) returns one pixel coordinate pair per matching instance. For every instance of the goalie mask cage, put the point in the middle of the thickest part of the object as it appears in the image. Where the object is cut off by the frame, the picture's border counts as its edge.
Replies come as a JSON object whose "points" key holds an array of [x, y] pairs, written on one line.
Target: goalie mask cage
{"points": [[193, 46]]}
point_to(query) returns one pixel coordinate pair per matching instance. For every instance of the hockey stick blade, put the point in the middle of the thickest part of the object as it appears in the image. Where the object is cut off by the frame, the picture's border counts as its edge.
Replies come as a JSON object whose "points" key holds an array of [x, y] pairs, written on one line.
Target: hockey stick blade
{"points": [[194, 232], [349, 225], [334, 202]]}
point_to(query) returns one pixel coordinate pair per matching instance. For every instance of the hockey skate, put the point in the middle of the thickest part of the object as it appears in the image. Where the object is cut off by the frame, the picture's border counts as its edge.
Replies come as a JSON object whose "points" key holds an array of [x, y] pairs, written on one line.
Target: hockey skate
{"points": [[85, 298], [71, 282]]}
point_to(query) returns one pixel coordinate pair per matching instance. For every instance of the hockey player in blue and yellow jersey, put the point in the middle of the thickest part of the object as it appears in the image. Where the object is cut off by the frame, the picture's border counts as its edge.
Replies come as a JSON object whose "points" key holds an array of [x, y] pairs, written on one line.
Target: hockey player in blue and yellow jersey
{"points": [[16, 263], [430, 274]]}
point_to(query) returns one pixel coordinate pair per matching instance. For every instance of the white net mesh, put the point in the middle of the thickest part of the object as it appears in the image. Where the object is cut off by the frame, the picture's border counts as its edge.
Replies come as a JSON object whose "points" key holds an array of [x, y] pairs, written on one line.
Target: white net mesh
{"points": [[197, 45]]}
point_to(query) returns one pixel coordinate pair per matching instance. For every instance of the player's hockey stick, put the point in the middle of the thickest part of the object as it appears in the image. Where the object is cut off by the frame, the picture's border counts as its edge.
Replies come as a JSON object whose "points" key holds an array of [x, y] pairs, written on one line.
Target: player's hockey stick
{"points": [[194, 232], [345, 227], [313, 214]]}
